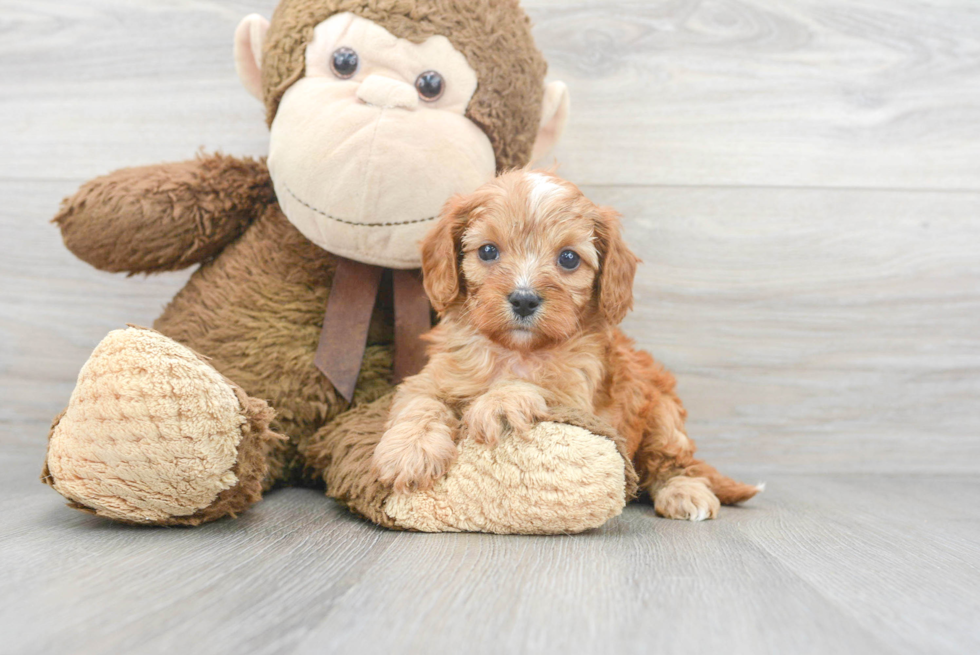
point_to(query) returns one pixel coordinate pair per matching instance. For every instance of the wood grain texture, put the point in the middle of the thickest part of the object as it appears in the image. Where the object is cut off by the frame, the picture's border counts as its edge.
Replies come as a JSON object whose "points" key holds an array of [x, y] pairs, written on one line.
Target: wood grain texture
{"points": [[802, 180], [818, 564], [819, 93], [840, 93], [818, 329]]}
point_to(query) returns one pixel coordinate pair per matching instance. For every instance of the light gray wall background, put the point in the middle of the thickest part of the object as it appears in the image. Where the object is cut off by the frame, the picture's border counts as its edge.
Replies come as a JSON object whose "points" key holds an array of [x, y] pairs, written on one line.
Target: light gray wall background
{"points": [[802, 181]]}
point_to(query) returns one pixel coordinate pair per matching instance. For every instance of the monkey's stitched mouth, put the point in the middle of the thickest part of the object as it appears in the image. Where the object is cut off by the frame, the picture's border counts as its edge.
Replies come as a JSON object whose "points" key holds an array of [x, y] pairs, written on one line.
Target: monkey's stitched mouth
{"points": [[354, 223]]}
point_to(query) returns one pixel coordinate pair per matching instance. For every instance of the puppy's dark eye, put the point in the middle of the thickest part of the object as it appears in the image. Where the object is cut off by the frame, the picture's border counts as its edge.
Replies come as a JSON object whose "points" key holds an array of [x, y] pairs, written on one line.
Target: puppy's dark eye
{"points": [[569, 260], [430, 85], [343, 63], [488, 252]]}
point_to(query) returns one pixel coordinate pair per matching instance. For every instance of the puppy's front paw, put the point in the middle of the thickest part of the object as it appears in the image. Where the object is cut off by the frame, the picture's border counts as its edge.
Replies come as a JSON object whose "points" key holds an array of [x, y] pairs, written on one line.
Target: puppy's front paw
{"points": [[517, 407], [484, 423], [687, 499], [413, 455]]}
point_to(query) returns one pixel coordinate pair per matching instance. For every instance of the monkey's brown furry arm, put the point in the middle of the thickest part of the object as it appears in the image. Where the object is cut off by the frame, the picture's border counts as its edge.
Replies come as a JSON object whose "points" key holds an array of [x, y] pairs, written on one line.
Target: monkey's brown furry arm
{"points": [[164, 217]]}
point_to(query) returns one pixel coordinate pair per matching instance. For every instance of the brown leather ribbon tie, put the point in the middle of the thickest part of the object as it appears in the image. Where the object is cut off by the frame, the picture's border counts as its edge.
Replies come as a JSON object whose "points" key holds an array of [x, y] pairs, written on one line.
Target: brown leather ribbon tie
{"points": [[348, 316]]}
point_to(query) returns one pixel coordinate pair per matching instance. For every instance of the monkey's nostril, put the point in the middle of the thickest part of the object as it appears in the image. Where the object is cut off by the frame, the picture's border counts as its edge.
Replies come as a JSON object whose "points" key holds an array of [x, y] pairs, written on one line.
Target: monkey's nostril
{"points": [[524, 302]]}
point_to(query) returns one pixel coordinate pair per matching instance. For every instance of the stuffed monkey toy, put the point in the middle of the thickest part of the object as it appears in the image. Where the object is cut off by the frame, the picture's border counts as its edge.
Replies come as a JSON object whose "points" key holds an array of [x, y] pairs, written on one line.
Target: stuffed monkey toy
{"points": [[273, 365]]}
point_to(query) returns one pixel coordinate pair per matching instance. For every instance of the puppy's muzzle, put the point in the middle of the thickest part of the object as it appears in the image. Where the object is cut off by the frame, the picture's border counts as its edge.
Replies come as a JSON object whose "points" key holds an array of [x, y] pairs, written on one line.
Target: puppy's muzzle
{"points": [[524, 302]]}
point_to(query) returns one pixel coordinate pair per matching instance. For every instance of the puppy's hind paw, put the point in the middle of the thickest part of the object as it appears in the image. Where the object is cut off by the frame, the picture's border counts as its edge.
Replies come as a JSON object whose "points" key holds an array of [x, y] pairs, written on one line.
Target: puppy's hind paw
{"points": [[686, 499]]}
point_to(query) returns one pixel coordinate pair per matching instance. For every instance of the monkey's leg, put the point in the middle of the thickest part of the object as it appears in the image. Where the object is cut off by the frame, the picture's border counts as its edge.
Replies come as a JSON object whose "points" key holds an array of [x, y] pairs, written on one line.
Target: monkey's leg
{"points": [[561, 477], [154, 435]]}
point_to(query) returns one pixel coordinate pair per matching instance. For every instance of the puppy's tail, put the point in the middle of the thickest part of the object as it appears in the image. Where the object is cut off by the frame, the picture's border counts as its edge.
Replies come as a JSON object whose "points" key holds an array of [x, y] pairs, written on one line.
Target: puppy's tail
{"points": [[729, 492]]}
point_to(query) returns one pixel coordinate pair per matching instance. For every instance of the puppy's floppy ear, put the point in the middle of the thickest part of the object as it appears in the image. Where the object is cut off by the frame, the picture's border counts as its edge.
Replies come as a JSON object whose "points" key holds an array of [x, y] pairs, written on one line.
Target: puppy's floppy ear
{"points": [[617, 267], [441, 250]]}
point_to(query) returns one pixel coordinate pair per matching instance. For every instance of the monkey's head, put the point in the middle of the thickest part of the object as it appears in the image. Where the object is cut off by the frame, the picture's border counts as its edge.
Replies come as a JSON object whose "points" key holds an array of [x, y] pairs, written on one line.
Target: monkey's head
{"points": [[381, 110]]}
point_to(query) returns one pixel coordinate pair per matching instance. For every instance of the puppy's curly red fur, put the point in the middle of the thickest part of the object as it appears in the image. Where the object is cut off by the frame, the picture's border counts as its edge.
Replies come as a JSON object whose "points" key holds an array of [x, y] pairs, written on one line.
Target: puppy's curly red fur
{"points": [[527, 326]]}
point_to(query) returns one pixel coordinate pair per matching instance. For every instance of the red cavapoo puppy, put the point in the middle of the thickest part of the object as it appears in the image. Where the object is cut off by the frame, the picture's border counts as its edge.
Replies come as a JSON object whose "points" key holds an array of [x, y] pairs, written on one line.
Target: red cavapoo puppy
{"points": [[531, 279]]}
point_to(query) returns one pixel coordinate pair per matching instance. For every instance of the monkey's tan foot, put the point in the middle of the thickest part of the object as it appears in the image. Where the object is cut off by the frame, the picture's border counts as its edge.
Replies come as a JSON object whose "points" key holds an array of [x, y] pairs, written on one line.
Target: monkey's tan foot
{"points": [[555, 478], [687, 499], [154, 435], [560, 477]]}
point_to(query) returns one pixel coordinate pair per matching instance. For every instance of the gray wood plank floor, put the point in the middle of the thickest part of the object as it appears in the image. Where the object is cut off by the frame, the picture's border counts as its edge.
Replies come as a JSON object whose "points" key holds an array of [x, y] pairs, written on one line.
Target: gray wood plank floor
{"points": [[802, 179], [821, 563]]}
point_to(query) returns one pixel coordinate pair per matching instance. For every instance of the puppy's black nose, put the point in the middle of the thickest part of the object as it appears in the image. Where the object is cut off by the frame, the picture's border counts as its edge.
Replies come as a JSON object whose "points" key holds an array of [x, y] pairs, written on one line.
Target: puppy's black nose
{"points": [[524, 302]]}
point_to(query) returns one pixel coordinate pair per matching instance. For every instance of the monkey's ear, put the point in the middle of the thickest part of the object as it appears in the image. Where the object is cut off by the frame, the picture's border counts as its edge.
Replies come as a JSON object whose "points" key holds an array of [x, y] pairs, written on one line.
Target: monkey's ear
{"points": [[617, 268], [249, 39], [441, 249], [554, 115]]}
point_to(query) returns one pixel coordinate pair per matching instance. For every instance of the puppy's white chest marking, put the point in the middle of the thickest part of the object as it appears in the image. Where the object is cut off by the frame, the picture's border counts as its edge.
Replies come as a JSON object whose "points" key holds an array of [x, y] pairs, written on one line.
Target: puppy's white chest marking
{"points": [[520, 369], [515, 367]]}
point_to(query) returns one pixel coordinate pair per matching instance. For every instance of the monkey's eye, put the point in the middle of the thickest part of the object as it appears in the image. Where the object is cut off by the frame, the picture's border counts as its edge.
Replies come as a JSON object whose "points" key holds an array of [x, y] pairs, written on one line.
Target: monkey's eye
{"points": [[343, 63], [488, 252], [430, 85], [569, 260]]}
